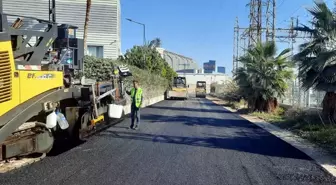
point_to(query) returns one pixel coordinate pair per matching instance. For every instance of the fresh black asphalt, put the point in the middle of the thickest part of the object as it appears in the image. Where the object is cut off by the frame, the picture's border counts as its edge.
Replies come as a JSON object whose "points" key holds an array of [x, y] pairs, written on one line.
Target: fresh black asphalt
{"points": [[193, 142]]}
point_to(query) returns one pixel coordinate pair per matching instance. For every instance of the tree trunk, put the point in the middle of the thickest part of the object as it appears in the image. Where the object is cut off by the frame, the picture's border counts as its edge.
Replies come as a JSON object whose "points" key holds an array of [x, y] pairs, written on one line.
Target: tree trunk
{"points": [[271, 105], [329, 105], [265, 105], [251, 104], [86, 23]]}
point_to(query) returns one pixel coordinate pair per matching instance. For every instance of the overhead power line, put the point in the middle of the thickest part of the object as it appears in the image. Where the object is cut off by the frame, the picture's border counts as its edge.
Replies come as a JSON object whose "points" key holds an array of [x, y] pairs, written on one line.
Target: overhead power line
{"points": [[262, 17]]}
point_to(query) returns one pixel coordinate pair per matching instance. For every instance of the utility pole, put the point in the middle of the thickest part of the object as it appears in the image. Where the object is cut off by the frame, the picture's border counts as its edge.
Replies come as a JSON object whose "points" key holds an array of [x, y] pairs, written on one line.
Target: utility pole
{"points": [[260, 9], [235, 46], [259, 30]]}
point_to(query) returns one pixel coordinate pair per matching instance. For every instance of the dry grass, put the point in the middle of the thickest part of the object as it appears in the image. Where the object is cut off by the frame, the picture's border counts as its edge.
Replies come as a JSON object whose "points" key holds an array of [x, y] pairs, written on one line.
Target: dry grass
{"points": [[307, 124], [276, 116]]}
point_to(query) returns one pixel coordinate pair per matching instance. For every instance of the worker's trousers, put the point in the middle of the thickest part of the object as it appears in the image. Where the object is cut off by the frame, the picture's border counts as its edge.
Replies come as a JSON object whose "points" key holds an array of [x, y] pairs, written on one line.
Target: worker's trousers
{"points": [[135, 115]]}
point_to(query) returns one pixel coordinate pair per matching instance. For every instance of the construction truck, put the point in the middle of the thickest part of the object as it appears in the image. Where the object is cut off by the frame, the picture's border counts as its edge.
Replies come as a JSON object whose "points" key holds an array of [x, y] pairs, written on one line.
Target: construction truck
{"points": [[41, 98], [178, 89], [200, 90]]}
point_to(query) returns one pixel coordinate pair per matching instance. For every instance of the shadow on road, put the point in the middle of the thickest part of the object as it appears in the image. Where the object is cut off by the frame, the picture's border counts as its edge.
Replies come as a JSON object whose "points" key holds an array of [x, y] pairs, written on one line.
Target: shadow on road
{"points": [[176, 99], [210, 103], [62, 146], [255, 145], [221, 110], [200, 121]]}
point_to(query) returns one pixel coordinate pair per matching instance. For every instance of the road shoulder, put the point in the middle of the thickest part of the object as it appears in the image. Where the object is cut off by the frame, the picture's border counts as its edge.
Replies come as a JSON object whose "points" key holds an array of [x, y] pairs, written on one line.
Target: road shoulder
{"points": [[322, 157]]}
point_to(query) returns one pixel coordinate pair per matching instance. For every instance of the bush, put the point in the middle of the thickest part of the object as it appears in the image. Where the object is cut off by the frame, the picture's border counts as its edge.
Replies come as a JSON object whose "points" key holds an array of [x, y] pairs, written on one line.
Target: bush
{"points": [[228, 91], [154, 63], [273, 117], [309, 124], [294, 113], [98, 69], [238, 104], [102, 69], [302, 117]]}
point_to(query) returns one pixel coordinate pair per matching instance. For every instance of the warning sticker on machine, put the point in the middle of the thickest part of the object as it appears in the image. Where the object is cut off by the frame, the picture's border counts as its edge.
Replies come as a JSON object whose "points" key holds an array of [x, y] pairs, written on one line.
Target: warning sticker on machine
{"points": [[44, 76]]}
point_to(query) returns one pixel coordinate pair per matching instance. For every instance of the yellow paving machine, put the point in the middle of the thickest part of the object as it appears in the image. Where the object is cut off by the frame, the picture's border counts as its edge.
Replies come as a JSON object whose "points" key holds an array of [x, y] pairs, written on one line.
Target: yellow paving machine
{"points": [[179, 89], [200, 90], [41, 99]]}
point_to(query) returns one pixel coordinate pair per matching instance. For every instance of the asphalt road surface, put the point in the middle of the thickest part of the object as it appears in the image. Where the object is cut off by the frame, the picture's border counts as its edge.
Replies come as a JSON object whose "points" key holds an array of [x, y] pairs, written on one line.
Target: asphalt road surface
{"points": [[179, 142]]}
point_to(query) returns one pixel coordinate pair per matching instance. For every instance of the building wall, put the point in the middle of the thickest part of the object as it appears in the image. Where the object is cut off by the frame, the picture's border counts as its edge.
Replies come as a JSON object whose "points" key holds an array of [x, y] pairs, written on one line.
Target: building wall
{"points": [[177, 61], [104, 25], [221, 69], [209, 67], [187, 71]]}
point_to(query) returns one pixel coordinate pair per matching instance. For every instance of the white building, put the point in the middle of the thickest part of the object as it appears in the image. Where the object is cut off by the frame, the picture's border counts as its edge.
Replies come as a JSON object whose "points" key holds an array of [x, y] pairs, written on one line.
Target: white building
{"points": [[178, 62], [104, 26]]}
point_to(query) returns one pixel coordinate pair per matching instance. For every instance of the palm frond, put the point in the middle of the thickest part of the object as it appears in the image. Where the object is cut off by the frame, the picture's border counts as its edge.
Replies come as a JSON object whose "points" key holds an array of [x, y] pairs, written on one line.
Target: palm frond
{"points": [[316, 58], [265, 74]]}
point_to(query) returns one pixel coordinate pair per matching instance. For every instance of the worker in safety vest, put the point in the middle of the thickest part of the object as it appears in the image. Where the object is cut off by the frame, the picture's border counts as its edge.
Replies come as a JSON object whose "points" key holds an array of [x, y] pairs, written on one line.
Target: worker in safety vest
{"points": [[136, 96]]}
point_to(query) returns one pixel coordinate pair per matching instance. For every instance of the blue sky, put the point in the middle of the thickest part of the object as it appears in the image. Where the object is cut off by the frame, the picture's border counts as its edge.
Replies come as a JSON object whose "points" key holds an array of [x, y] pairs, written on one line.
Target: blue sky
{"points": [[200, 29]]}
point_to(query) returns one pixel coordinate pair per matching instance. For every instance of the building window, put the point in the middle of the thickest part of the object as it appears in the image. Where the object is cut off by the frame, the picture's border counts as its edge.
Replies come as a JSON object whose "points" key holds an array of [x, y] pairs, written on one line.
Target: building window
{"points": [[96, 51]]}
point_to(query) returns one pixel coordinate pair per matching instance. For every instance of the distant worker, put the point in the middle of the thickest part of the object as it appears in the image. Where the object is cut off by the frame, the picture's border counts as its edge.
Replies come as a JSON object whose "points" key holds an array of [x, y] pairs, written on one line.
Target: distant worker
{"points": [[137, 98]]}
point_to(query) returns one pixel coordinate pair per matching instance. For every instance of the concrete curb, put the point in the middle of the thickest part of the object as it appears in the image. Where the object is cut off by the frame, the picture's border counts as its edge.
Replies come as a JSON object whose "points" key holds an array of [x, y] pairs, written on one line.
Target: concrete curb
{"points": [[319, 155], [145, 103], [322, 157]]}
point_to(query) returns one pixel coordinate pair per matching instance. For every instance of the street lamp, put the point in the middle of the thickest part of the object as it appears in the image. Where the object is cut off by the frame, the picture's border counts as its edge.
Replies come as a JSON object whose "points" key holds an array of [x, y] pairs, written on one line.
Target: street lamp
{"points": [[144, 37], [144, 29]]}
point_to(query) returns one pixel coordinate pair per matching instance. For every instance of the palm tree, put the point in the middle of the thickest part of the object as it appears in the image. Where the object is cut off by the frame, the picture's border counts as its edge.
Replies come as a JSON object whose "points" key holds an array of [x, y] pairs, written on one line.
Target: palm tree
{"points": [[316, 58], [263, 78], [86, 23], [155, 43]]}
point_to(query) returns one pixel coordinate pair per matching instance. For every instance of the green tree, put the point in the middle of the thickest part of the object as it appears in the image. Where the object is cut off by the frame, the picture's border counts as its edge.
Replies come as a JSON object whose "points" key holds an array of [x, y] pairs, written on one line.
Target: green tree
{"points": [[316, 58], [154, 63], [263, 79], [134, 56]]}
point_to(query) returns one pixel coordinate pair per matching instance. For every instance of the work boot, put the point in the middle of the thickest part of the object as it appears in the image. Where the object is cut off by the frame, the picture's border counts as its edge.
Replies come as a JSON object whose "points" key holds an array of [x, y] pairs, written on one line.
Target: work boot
{"points": [[130, 127], [136, 127]]}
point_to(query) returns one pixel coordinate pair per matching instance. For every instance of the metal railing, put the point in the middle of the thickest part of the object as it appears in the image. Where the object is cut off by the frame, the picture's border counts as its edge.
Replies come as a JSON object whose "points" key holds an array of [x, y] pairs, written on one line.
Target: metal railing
{"points": [[297, 96]]}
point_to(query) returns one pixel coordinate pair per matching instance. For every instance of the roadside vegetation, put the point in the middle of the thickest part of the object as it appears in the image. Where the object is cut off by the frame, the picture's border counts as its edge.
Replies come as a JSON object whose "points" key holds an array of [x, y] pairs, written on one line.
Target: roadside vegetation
{"points": [[149, 59], [154, 73], [257, 85]]}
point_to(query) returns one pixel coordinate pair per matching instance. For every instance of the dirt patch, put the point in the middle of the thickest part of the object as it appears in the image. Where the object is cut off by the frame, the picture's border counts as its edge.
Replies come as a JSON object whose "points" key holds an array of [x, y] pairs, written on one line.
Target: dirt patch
{"points": [[12, 164]]}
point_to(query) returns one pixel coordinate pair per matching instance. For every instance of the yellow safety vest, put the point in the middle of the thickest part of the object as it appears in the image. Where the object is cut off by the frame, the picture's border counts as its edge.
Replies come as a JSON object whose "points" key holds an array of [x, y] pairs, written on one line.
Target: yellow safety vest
{"points": [[116, 71], [138, 96]]}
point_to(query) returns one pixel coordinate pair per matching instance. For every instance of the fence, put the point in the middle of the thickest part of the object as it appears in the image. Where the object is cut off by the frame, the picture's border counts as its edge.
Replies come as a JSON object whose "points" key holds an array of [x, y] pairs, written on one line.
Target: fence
{"points": [[297, 96]]}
